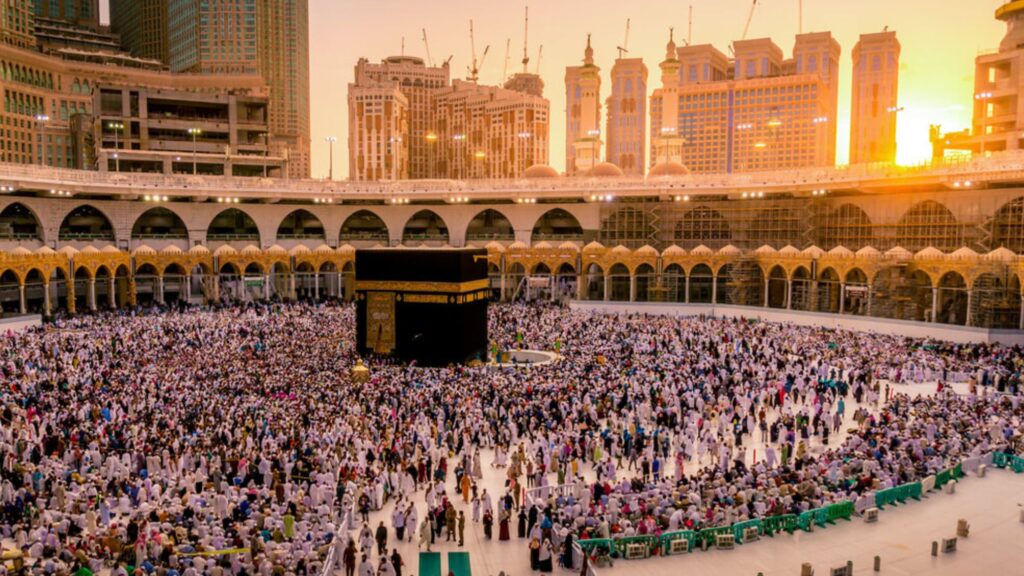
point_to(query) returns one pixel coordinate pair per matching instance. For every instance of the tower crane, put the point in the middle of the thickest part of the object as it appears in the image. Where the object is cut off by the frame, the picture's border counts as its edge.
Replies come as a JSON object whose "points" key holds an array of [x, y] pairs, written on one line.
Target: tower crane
{"points": [[624, 49], [474, 70], [750, 18], [526, 41], [504, 70], [689, 32], [430, 61], [540, 53]]}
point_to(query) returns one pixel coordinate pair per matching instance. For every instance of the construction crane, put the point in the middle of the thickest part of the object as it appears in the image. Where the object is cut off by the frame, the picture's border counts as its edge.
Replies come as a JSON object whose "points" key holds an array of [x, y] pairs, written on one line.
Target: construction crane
{"points": [[430, 61], [540, 52], [624, 49], [689, 32], [504, 70], [474, 70], [750, 18], [526, 41]]}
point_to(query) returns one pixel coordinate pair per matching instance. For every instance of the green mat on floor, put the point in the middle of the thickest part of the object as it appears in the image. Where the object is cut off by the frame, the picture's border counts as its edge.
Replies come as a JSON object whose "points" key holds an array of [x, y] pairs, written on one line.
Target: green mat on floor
{"points": [[430, 564], [458, 563]]}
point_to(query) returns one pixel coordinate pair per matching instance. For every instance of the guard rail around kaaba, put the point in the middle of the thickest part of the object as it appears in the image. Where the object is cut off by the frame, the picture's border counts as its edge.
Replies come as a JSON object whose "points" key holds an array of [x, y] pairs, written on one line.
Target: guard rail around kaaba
{"points": [[539, 496], [657, 545]]}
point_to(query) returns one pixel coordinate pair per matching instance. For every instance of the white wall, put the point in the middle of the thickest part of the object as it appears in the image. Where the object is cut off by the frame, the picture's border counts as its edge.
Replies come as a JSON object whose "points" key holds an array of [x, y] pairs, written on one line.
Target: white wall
{"points": [[19, 323], [959, 334]]}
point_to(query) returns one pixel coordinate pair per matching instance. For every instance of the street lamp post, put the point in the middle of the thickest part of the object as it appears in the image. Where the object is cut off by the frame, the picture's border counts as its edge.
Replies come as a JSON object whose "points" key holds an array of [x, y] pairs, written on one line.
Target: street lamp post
{"points": [[195, 132], [330, 142], [42, 119], [117, 127]]}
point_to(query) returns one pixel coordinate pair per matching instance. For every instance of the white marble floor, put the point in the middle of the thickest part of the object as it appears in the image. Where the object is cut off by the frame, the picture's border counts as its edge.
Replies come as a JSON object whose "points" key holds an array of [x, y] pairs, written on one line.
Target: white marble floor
{"points": [[902, 537]]}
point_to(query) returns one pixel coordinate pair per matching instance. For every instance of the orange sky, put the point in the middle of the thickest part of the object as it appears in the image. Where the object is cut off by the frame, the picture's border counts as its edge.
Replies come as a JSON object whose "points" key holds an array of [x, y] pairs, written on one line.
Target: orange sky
{"points": [[940, 40]]}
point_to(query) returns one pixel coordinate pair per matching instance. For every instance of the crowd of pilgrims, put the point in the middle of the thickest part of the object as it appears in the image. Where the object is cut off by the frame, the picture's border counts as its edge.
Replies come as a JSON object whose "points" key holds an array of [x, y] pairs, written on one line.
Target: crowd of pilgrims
{"points": [[146, 441]]}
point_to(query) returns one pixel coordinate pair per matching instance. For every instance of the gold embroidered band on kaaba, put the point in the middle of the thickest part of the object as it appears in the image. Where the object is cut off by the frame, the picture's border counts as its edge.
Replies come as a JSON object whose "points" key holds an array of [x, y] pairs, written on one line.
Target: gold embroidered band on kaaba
{"points": [[422, 287]]}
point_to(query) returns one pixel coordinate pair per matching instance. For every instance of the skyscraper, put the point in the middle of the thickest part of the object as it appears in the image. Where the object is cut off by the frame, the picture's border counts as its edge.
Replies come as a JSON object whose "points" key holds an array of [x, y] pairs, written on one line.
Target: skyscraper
{"points": [[265, 37], [758, 111], [876, 72], [626, 127], [142, 25], [80, 12], [17, 23], [583, 115]]}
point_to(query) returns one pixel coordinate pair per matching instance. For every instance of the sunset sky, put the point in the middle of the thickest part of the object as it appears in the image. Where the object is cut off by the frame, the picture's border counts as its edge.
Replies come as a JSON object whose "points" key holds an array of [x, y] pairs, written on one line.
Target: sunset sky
{"points": [[940, 40]]}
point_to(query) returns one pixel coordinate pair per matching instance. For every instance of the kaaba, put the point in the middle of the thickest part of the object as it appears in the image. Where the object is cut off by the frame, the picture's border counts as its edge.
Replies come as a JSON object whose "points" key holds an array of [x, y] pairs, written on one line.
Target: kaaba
{"points": [[422, 306]]}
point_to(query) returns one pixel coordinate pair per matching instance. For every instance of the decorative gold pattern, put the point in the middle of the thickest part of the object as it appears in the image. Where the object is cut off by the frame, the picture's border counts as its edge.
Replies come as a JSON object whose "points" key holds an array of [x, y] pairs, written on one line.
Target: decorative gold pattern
{"points": [[432, 287], [380, 322]]}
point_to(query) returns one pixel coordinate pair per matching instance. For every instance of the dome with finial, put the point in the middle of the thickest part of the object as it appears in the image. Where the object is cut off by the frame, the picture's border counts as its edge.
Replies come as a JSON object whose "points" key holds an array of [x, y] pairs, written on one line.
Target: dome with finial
{"points": [[588, 54], [670, 49], [540, 171], [604, 170]]}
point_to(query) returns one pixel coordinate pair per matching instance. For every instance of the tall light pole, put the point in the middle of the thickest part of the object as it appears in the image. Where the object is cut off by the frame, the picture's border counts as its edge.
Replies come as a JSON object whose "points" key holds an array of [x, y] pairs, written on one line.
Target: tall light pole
{"points": [[117, 127], [42, 119], [330, 142], [195, 132]]}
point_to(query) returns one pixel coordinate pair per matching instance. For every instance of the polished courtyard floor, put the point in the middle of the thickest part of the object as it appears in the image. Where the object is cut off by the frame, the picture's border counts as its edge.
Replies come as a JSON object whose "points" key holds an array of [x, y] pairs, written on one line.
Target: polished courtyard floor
{"points": [[902, 537]]}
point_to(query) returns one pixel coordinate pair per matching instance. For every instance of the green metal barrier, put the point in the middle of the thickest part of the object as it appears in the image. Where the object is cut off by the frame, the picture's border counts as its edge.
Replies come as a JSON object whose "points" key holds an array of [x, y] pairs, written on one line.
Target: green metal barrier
{"points": [[739, 527], [710, 535], [804, 520], [588, 546], [911, 490], [669, 537], [1000, 459], [840, 511], [1017, 464], [650, 544], [775, 524], [943, 478]]}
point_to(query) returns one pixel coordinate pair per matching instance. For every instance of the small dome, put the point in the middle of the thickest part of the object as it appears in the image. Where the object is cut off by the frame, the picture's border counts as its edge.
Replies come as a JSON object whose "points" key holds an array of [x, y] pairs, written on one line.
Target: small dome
{"points": [[568, 246], [323, 249], [21, 251], [702, 250], [929, 252], [674, 250], [899, 253], [68, 251], [604, 170], [494, 247], [813, 252], [789, 250], [1002, 253], [47, 251], [593, 246], [300, 249], [669, 169], [110, 250], [251, 250], [646, 250], [729, 250], [964, 253], [841, 252], [198, 250], [143, 251], [518, 246], [543, 245], [540, 171], [90, 249], [620, 249], [346, 249], [868, 252], [224, 250], [765, 249], [276, 249], [172, 249]]}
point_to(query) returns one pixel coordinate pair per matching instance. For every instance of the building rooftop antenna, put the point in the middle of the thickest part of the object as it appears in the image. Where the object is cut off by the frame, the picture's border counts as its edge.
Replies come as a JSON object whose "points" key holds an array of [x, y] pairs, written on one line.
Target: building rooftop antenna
{"points": [[526, 41], [624, 49]]}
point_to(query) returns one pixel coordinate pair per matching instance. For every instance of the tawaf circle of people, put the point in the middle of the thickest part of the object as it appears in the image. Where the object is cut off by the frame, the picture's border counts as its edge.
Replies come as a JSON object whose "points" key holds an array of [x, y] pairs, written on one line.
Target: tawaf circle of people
{"points": [[235, 441]]}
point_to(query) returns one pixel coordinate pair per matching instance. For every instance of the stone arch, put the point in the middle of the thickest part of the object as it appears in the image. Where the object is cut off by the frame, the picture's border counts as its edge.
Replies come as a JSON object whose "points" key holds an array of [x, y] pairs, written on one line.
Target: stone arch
{"points": [[10, 292], [425, 227], [645, 279], [301, 225], [86, 223], [673, 279], [856, 295], [995, 300], [702, 225], [828, 292], [702, 282], [777, 286], [557, 225], [928, 223], [364, 226], [1007, 226], [628, 226], [233, 225], [800, 296], [18, 222], [593, 279], [618, 282], [159, 223], [490, 225], [848, 225], [951, 303]]}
